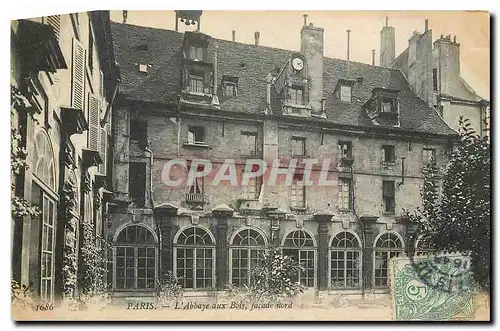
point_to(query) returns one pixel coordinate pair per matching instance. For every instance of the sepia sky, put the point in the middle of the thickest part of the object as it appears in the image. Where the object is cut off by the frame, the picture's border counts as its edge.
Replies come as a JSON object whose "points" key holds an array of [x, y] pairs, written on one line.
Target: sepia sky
{"points": [[281, 29]]}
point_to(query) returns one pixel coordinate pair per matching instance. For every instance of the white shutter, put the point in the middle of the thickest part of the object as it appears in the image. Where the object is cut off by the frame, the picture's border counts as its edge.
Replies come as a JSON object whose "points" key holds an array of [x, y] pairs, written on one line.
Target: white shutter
{"points": [[78, 75], [94, 125]]}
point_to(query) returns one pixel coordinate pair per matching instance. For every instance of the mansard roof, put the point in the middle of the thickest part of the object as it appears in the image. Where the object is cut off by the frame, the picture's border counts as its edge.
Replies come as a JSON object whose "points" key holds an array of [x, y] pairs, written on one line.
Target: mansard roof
{"points": [[161, 49]]}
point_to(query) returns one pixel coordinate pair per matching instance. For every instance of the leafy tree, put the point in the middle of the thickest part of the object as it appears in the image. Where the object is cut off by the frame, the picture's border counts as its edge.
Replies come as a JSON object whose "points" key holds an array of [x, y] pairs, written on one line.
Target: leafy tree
{"points": [[273, 276], [456, 215]]}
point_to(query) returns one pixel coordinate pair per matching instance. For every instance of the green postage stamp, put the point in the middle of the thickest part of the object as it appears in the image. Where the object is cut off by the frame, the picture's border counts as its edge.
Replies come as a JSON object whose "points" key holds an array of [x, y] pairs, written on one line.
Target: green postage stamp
{"points": [[432, 288]]}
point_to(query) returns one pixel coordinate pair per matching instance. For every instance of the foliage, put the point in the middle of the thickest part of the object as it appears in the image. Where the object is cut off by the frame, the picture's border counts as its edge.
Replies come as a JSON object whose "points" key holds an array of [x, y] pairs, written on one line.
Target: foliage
{"points": [[92, 266], [20, 207], [272, 278], [457, 217], [21, 296], [169, 288]]}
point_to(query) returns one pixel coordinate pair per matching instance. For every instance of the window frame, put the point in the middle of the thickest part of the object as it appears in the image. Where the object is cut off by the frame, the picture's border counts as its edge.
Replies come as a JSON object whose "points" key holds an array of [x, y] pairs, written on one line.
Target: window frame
{"points": [[196, 80], [345, 90], [298, 186], [195, 248], [303, 249], [132, 187], [425, 160], [194, 130], [296, 98], [345, 249], [345, 146], [247, 151], [341, 197], [302, 141], [394, 251], [392, 149], [50, 252], [386, 196], [248, 249], [135, 246]]}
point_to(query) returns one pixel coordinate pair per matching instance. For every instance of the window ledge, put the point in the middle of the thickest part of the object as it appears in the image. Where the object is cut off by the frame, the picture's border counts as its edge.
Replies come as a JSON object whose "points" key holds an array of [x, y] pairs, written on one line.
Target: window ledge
{"points": [[198, 94], [345, 210], [388, 213], [198, 145], [298, 209]]}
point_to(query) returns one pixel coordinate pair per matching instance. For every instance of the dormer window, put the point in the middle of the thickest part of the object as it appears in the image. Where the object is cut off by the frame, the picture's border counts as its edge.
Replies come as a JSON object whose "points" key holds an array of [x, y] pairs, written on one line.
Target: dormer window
{"points": [[229, 86], [388, 105], [196, 53], [296, 95], [196, 82], [343, 91]]}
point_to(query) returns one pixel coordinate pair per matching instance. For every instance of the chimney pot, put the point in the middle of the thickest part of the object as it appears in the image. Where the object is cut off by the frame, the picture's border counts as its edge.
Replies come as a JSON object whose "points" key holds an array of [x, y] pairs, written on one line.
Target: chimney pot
{"points": [[373, 57], [305, 19], [387, 21], [310, 25], [125, 14], [257, 35], [426, 25], [454, 39], [234, 35]]}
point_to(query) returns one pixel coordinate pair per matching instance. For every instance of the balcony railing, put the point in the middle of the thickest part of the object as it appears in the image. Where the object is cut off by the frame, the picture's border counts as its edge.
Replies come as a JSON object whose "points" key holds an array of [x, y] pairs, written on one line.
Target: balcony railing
{"points": [[197, 198]]}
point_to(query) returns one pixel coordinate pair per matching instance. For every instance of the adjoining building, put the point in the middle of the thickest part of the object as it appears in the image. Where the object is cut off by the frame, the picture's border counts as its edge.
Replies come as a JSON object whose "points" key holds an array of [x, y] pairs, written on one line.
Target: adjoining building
{"points": [[62, 66], [433, 72], [190, 96]]}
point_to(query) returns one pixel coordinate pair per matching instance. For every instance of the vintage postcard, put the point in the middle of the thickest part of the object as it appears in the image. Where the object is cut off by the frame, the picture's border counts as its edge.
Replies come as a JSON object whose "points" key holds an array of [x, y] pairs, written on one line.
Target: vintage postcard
{"points": [[251, 165]]}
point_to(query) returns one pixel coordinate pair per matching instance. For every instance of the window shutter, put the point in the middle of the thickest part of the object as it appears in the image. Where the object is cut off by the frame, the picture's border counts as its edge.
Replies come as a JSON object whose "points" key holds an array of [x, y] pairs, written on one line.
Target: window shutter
{"points": [[55, 22], [94, 127], [103, 148], [78, 75]]}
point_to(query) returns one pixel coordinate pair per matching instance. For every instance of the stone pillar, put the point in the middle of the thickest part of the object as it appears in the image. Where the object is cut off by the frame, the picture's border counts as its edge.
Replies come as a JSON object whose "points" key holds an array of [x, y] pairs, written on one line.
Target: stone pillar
{"points": [[164, 216], [222, 250], [323, 218], [222, 213], [369, 233]]}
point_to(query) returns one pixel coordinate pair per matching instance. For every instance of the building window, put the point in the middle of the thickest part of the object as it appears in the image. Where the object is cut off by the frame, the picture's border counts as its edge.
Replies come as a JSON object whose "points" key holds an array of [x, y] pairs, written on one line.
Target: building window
{"points": [[345, 194], [435, 79], [47, 255], [298, 146], [44, 161], [135, 262], [196, 53], [196, 193], [345, 261], [229, 86], [388, 106], [196, 135], [296, 95], [137, 183], [138, 130], [298, 192], [388, 196], [196, 83], [387, 246], [91, 50], [429, 156], [299, 245], [249, 191], [345, 93], [194, 253], [248, 143], [389, 153], [246, 246], [422, 246], [345, 148]]}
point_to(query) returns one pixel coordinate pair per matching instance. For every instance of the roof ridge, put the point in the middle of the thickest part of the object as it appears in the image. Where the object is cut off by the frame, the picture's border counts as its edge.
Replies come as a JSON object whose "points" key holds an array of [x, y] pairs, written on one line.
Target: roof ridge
{"points": [[251, 45]]}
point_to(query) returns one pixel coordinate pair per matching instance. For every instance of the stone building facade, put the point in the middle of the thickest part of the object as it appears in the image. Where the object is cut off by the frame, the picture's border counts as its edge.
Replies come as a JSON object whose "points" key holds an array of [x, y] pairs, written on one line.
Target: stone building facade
{"points": [[433, 71], [64, 68], [188, 97]]}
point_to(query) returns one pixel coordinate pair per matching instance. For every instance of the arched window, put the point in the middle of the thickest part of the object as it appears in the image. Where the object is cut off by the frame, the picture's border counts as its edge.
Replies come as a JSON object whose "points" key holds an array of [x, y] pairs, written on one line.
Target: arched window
{"points": [[44, 160], [387, 246], [345, 261], [194, 253], [299, 245], [245, 248], [135, 264], [422, 246]]}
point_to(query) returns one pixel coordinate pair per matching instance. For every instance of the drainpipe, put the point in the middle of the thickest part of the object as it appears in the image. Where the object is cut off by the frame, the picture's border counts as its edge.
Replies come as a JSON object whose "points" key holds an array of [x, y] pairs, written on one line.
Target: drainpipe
{"points": [[152, 202]]}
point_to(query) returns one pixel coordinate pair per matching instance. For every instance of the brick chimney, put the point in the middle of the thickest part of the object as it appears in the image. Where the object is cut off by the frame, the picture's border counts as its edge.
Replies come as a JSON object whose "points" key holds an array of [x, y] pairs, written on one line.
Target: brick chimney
{"points": [[448, 62], [387, 44], [312, 47]]}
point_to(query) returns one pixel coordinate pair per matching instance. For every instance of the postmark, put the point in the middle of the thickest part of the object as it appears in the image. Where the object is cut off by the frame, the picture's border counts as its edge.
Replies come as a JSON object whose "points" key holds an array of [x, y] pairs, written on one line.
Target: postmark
{"points": [[424, 289]]}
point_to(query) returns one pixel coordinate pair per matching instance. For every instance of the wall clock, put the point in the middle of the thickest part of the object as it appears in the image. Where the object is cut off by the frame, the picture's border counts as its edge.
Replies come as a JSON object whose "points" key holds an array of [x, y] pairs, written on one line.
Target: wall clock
{"points": [[297, 63]]}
